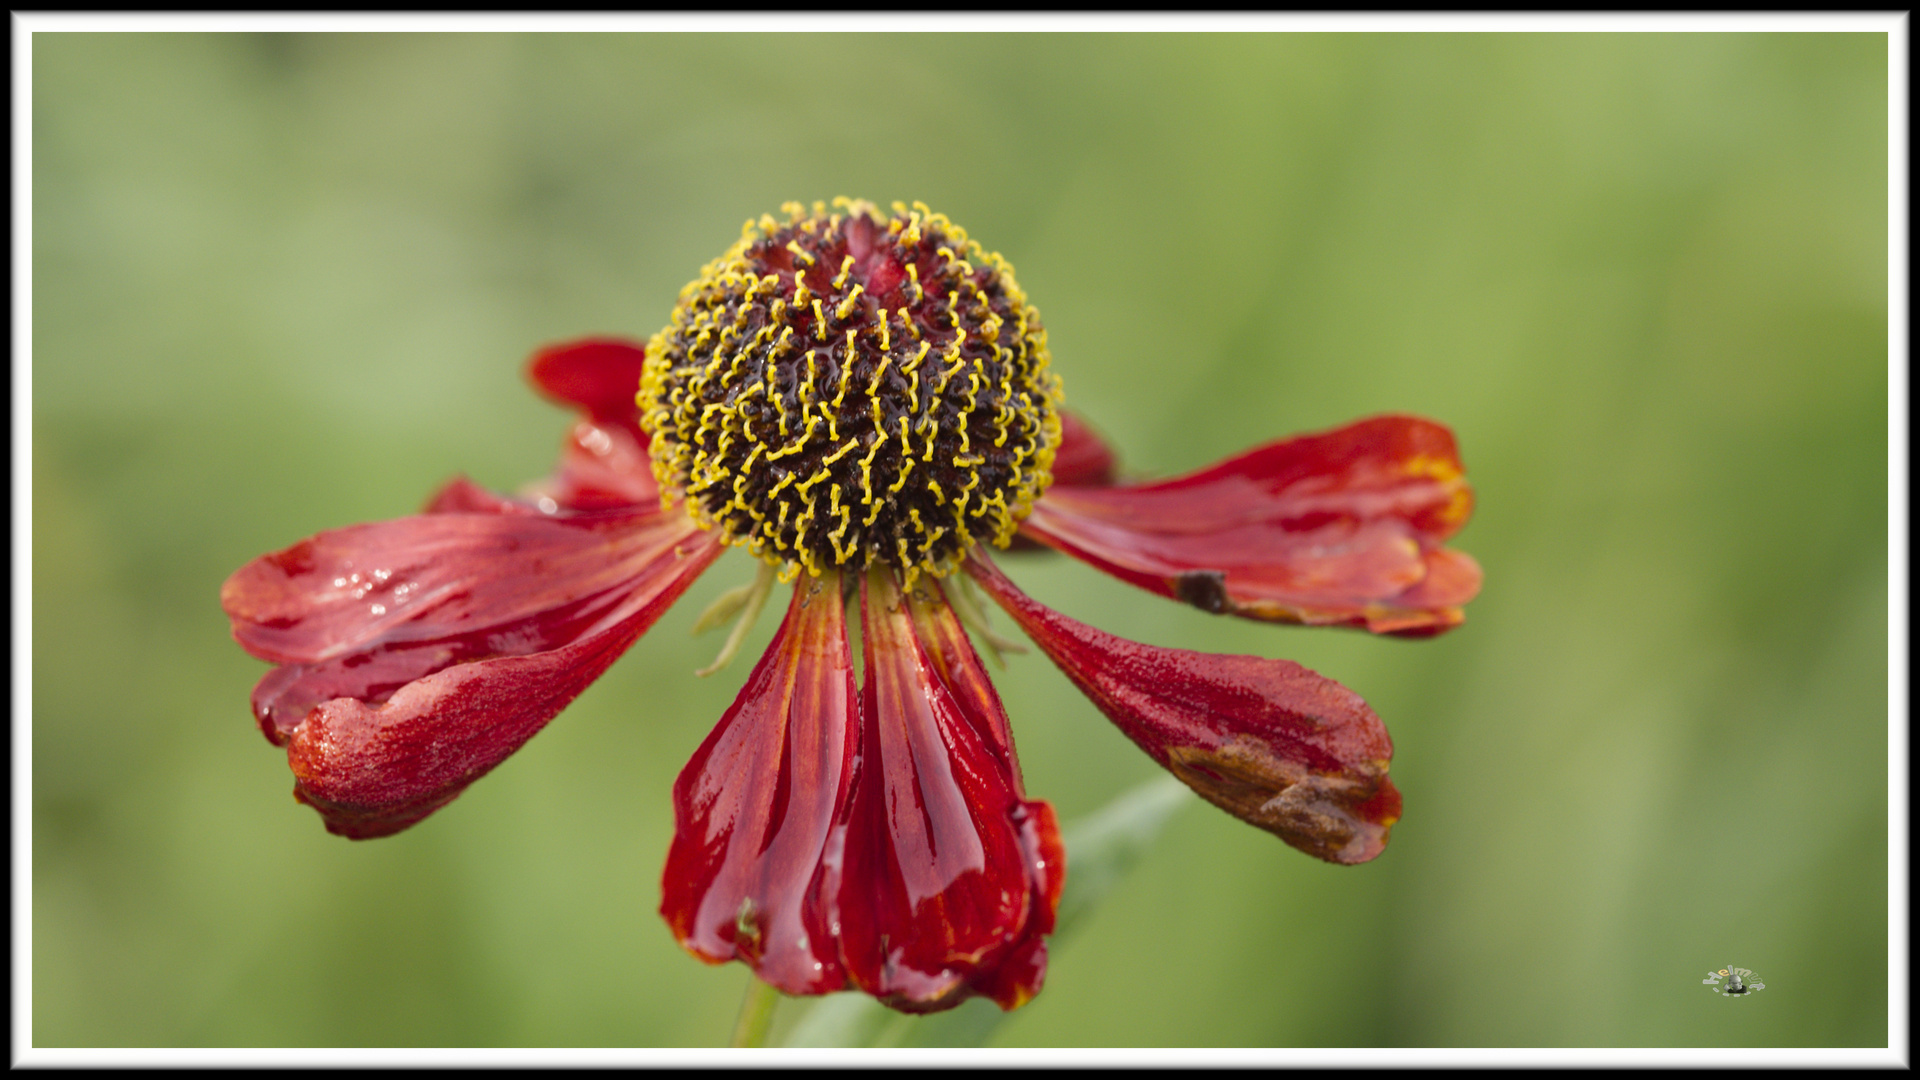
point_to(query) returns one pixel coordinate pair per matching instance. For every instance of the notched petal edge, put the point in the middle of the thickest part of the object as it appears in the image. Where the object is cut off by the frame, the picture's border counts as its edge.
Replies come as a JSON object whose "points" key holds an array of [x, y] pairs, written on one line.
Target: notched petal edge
{"points": [[1339, 819]]}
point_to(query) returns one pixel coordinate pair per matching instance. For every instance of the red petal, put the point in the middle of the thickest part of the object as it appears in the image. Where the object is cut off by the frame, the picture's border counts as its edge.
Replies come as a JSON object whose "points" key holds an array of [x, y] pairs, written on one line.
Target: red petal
{"points": [[513, 578], [947, 878], [286, 694], [1083, 459], [421, 652], [603, 465], [605, 462], [463, 496], [1340, 528], [600, 375], [1268, 741], [754, 809]]}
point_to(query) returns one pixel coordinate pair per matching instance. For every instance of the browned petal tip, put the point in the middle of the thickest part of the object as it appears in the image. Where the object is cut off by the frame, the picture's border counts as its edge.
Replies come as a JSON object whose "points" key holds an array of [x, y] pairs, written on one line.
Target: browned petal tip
{"points": [[1342, 819], [1268, 741]]}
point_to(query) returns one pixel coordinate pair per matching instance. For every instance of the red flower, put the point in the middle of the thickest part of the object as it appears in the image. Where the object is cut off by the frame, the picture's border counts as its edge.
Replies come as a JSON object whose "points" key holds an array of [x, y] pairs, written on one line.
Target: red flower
{"points": [[862, 401]]}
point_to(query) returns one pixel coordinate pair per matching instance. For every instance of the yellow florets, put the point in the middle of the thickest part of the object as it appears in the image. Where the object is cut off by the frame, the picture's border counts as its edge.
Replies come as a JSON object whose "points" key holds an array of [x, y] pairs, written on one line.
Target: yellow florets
{"points": [[850, 388]]}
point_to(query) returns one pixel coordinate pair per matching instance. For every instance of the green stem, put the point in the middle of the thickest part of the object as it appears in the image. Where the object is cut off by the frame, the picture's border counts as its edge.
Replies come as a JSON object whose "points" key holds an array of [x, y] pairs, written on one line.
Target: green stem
{"points": [[756, 1014]]}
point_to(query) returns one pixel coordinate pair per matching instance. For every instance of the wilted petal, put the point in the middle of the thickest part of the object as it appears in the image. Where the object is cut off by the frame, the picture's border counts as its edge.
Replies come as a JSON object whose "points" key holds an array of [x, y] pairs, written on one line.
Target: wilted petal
{"points": [[1433, 606], [754, 809], [947, 877], [1268, 741], [419, 653], [1339, 528], [605, 461]]}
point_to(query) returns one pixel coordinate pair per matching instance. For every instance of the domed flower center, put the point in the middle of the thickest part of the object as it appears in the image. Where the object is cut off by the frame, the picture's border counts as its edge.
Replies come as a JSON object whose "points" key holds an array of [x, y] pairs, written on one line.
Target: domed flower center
{"points": [[851, 388]]}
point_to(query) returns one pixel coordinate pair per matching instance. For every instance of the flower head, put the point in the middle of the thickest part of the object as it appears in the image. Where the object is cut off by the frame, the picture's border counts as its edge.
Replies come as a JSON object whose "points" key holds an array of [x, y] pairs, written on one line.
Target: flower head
{"points": [[863, 401], [851, 389]]}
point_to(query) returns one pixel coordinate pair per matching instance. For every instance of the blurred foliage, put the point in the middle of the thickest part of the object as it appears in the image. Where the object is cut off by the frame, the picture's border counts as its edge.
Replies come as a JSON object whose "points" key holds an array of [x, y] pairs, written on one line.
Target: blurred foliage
{"points": [[285, 282]]}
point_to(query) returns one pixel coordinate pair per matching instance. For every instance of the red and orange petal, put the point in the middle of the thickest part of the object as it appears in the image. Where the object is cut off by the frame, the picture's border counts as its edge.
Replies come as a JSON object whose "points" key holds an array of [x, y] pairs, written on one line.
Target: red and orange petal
{"points": [[1268, 741], [1340, 528], [949, 877], [756, 807], [417, 654]]}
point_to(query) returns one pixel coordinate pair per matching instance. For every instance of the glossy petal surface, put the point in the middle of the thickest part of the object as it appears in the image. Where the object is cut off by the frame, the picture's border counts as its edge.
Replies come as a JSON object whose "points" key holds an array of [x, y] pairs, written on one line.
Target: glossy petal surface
{"points": [[602, 466], [419, 653], [1339, 528], [604, 463], [434, 577], [949, 878], [1268, 741], [755, 808]]}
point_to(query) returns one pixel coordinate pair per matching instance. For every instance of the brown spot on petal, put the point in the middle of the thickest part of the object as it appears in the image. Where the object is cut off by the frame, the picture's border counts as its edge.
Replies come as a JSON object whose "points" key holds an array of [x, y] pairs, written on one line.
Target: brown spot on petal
{"points": [[1204, 589], [1339, 528], [1339, 819], [1268, 741]]}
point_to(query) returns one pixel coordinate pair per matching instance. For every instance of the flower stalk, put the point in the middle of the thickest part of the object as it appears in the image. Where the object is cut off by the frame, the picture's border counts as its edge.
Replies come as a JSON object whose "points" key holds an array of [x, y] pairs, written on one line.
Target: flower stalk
{"points": [[756, 1015]]}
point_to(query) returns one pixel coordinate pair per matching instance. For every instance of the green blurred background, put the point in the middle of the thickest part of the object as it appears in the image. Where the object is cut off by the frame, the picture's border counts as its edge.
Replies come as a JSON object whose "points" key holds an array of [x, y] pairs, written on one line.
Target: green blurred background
{"points": [[285, 282]]}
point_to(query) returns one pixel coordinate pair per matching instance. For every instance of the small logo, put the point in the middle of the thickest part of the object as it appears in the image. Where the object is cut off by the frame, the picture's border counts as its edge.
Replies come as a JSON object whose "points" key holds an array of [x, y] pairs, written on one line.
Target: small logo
{"points": [[1739, 982]]}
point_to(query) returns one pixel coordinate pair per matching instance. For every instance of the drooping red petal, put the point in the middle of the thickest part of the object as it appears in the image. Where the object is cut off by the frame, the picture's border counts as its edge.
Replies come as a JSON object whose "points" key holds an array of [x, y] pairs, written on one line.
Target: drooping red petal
{"points": [[421, 652], [754, 809], [361, 612], [605, 462], [1268, 741], [434, 577], [284, 696], [1083, 458], [946, 878], [1339, 528]]}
